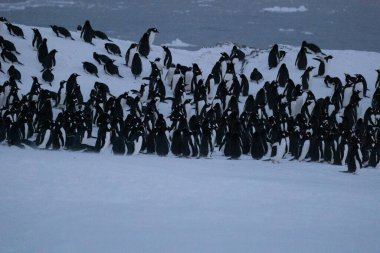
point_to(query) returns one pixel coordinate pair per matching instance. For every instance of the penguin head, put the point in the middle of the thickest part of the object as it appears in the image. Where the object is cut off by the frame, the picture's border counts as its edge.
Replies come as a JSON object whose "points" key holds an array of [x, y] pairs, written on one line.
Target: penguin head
{"points": [[304, 43], [154, 30], [2, 19], [79, 28]]}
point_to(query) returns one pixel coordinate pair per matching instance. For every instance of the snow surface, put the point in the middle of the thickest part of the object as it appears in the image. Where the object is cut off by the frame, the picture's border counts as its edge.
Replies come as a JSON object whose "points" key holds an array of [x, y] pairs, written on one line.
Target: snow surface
{"points": [[75, 202], [53, 201], [278, 9]]}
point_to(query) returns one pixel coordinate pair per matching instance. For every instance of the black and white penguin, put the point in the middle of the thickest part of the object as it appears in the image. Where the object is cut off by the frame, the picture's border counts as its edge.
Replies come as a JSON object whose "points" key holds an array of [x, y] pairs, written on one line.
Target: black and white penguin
{"points": [[101, 58], [37, 38], [112, 48], [301, 60], [244, 85], [130, 54], [15, 30], [8, 45], [283, 75], [305, 78], [90, 68], [377, 83], [48, 76], [101, 35], [9, 56], [256, 75], [111, 69], [87, 32], [15, 73], [49, 60], [354, 155], [146, 42], [61, 31], [312, 48], [305, 146], [273, 57], [136, 66], [167, 56], [161, 139], [42, 51]]}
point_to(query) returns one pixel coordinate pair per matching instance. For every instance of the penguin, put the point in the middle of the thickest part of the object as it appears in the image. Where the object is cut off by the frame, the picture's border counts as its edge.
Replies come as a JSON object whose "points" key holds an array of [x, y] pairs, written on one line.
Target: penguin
{"points": [[162, 144], [301, 60], [49, 60], [136, 66], [1, 70], [167, 56], [312, 48], [321, 67], [101, 35], [305, 78], [283, 75], [48, 76], [305, 146], [360, 79], [281, 146], [8, 45], [37, 38], [146, 42], [9, 56], [111, 69], [87, 32], [61, 94], [101, 58], [42, 51], [130, 54], [377, 83], [90, 68], [59, 30], [244, 85], [112, 49], [354, 156], [137, 142], [273, 57], [256, 76], [15, 73], [15, 30]]}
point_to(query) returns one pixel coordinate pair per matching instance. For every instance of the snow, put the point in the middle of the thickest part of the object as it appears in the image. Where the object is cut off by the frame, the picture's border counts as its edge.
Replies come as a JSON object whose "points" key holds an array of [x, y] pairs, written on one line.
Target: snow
{"points": [[278, 9], [143, 203], [77, 202], [178, 43]]}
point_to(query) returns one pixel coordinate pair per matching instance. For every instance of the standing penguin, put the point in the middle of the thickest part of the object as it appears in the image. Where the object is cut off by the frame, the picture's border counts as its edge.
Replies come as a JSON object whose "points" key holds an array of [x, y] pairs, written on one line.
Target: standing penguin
{"points": [[283, 75], [37, 38], [244, 85], [301, 60], [354, 155], [305, 78], [87, 32], [146, 42], [136, 67], [273, 57], [130, 54], [42, 51], [167, 56]]}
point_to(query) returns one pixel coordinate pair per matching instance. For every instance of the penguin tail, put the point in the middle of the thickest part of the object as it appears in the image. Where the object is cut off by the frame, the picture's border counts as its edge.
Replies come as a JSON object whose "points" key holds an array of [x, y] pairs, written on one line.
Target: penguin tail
{"points": [[96, 75], [109, 40], [19, 63], [71, 38], [17, 52], [2, 71], [120, 76]]}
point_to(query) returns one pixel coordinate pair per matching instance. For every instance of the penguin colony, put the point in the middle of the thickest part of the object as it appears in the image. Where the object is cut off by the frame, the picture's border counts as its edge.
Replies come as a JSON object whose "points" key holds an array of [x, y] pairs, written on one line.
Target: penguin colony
{"points": [[283, 120]]}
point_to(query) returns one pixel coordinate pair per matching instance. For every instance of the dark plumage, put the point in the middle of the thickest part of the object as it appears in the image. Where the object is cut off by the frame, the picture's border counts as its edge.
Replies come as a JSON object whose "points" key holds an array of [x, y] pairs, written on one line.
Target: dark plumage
{"points": [[112, 49], [8, 45], [9, 56], [48, 76], [14, 30], [37, 38], [101, 35], [111, 69], [15, 73], [90, 68], [256, 75], [101, 58], [58, 30]]}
